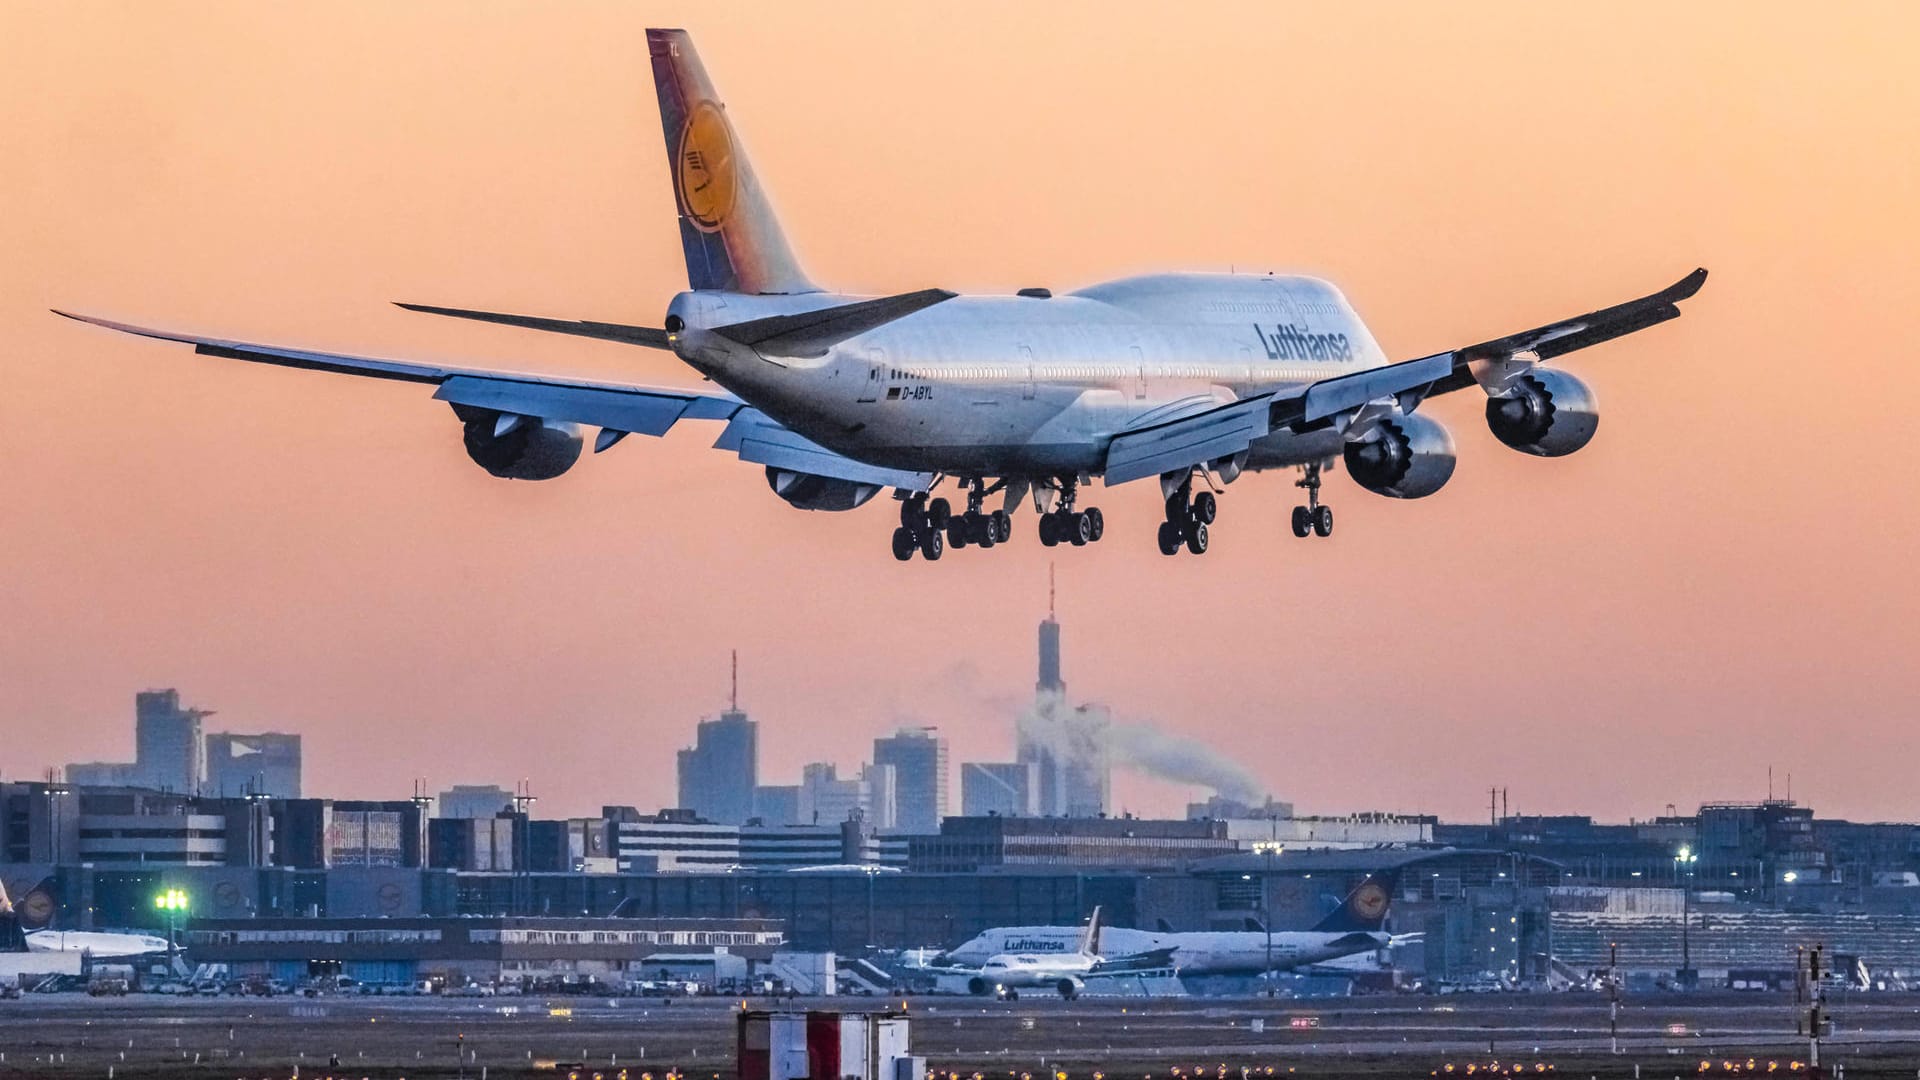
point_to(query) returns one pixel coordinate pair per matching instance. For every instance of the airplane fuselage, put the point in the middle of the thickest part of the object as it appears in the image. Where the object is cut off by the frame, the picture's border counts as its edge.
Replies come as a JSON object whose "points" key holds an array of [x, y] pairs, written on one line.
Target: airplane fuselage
{"points": [[996, 386], [99, 944], [1204, 952]]}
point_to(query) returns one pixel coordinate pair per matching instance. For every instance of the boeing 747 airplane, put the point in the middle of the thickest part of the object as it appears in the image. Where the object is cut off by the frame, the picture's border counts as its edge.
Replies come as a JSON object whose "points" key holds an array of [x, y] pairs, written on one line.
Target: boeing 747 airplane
{"points": [[1189, 379]]}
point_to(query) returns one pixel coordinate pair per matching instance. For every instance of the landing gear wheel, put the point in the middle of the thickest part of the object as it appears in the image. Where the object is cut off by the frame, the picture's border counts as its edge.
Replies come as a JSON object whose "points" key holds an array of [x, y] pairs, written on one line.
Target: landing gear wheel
{"points": [[1196, 538], [957, 533], [938, 511], [1079, 529], [1323, 521], [1099, 523], [1177, 506], [1170, 538], [983, 531], [1002, 526], [932, 544], [1302, 521], [903, 543], [1049, 535], [1204, 508]]}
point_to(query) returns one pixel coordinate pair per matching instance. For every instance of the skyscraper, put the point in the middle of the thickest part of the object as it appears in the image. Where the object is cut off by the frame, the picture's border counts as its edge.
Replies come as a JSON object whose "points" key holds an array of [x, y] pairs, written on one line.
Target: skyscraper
{"points": [[718, 774], [1068, 745], [473, 801], [266, 764], [167, 750], [919, 761], [825, 799], [1003, 788]]}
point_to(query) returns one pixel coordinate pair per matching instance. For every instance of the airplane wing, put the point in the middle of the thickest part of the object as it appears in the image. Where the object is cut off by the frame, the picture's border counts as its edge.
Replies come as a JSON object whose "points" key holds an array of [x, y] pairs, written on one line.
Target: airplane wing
{"points": [[1228, 429], [1151, 960], [1558, 339], [617, 409]]}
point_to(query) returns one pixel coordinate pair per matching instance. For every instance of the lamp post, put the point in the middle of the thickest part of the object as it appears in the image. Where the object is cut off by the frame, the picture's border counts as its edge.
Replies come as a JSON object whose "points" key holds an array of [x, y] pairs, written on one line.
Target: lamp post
{"points": [[1683, 863], [1267, 849], [173, 901]]}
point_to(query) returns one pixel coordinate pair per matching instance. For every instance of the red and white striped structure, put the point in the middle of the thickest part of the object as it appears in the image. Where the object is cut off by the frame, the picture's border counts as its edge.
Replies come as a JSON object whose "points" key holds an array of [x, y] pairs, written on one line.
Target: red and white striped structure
{"points": [[824, 1046]]}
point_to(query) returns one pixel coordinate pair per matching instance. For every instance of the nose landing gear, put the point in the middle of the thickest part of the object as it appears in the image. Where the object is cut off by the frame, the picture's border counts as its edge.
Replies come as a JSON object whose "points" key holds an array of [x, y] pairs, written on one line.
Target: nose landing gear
{"points": [[1312, 518]]}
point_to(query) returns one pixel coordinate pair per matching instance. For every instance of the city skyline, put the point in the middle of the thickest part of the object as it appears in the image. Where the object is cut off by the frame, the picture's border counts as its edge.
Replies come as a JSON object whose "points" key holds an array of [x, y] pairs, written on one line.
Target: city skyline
{"points": [[1721, 577]]}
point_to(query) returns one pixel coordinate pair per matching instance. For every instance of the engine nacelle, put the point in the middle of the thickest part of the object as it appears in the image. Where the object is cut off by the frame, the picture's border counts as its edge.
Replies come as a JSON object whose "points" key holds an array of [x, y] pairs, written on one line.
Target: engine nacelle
{"points": [[1545, 412], [1070, 986], [810, 492], [519, 447], [978, 986], [1407, 457]]}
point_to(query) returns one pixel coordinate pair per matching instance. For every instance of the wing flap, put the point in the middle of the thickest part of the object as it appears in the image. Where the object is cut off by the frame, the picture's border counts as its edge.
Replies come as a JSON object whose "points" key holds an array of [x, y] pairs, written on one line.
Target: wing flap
{"points": [[1188, 441], [645, 413], [761, 440], [1342, 392]]}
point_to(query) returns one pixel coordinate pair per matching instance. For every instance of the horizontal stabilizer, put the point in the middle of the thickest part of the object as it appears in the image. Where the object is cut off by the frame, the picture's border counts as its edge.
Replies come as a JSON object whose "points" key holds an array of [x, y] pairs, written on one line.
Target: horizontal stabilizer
{"points": [[647, 336], [810, 334]]}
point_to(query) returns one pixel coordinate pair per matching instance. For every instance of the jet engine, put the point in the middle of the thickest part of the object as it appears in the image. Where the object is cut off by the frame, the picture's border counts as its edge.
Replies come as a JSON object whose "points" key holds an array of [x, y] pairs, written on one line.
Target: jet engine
{"points": [[978, 986], [1070, 987], [1545, 412], [810, 492], [519, 447], [1405, 457]]}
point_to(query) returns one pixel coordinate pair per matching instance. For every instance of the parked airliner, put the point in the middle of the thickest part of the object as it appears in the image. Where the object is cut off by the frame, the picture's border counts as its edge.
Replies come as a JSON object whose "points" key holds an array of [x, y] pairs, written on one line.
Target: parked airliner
{"points": [[1357, 926], [1191, 379]]}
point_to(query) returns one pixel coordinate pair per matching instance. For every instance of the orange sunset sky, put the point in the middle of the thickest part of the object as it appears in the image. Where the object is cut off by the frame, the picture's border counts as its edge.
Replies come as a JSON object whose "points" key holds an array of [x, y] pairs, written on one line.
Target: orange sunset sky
{"points": [[1721, 583]]}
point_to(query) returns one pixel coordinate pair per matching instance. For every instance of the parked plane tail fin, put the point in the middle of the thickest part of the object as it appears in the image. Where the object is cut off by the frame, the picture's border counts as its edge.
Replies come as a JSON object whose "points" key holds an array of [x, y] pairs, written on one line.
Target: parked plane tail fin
{"points": [[1090, 940], [1364, 909]]}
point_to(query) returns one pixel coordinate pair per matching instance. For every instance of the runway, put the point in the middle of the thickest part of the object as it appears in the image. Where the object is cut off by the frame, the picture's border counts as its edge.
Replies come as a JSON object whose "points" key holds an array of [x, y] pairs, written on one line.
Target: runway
{"points": [[140, 1036]]}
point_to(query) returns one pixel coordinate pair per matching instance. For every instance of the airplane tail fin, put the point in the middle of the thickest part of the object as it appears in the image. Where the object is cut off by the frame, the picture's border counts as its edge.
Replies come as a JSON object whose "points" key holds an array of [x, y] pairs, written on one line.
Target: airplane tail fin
{"points": [[33, 912], [732, 239], [1364, 909], [1090, 940]]}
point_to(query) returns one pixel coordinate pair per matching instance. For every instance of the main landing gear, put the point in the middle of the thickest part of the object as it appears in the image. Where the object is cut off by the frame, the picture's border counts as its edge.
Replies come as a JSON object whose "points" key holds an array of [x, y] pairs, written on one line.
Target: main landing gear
{"points": [[1188, 516], [922, 528], [1312, 518], [977, 526], [1065, 525]]}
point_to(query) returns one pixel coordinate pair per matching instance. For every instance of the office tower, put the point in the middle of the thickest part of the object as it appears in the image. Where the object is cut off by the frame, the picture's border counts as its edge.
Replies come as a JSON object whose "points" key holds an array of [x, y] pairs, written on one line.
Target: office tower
{"points": [[1003, 788], [825, 799], [919, 761], [881, 791], [718, 774], [166, 739], [777, 804], [266, 764], [473, 801]]}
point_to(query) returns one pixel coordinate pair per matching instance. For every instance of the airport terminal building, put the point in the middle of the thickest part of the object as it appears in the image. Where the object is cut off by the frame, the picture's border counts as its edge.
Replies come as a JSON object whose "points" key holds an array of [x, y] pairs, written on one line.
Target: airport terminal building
{"points": [[484, 950]]}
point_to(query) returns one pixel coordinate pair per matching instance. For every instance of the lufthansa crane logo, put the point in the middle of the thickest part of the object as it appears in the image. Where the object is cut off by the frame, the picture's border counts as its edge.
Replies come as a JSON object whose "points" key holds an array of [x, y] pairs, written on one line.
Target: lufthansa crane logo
{"points": [[704, 170], [1370, 901]]}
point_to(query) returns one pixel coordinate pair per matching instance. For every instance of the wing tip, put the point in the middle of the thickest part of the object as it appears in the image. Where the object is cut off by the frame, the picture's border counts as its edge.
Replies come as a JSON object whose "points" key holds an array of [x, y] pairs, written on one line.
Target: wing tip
{"points": [[1685, 287]]}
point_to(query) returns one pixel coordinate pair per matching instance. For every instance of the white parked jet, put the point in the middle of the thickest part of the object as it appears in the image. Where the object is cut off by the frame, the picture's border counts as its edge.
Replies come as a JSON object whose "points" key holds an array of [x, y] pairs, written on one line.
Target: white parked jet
{"points": [[1356, 927], [24, 928], [1193, 379], [1005, 974]]}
